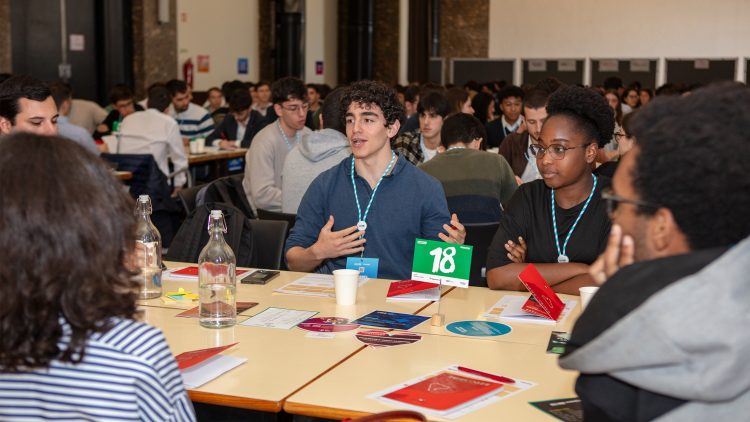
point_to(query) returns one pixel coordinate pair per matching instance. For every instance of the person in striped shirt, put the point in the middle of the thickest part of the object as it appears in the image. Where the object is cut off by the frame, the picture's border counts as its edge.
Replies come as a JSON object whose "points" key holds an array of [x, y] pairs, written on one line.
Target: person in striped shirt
{"points": [[70, 345], [194, 121]]}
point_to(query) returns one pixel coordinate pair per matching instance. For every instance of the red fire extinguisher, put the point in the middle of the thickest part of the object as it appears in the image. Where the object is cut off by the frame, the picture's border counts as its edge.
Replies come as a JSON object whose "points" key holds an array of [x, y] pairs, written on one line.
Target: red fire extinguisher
{"points": [[187, 72]]}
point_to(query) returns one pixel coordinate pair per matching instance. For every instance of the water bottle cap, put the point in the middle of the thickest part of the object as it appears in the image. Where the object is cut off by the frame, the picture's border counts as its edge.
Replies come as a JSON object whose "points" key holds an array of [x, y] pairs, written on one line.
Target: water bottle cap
{"points": [[216, 213], [143, 198]]}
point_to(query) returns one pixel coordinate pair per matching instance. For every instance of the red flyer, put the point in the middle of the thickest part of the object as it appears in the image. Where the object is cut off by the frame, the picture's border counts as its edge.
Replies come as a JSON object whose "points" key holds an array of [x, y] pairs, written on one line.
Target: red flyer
{"points": [[444, 391], [192, 271], [398, 288], [543, 301], [192, 358]]}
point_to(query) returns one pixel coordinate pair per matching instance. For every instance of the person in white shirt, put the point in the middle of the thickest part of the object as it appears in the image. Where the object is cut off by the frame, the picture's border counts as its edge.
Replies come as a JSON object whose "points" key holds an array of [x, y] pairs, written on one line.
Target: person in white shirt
{"points": [[153, 132]]}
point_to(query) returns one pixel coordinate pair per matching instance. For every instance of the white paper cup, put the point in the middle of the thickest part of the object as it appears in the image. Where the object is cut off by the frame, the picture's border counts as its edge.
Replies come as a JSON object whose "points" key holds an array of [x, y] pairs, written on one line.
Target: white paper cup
{"points": [[586, 294], [197, 145], [346, 282]]}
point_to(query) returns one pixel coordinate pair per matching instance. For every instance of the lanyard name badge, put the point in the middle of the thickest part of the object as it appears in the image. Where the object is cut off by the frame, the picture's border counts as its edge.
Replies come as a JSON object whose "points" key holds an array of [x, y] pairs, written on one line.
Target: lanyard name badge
{"points": [[366, 266], [562, 258]]}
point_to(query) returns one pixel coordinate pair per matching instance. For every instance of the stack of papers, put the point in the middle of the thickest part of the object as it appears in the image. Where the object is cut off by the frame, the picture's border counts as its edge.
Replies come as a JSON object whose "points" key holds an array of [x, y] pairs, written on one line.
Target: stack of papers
{"points": [[510, 308], [449, 393], [313, 285], [413, 291], [201, 366]]}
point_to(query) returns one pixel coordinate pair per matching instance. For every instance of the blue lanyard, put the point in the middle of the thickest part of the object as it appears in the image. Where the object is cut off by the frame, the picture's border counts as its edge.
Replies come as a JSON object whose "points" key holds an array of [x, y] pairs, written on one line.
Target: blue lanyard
{"points": [[283, 135], [561, 257], [361, 219]]}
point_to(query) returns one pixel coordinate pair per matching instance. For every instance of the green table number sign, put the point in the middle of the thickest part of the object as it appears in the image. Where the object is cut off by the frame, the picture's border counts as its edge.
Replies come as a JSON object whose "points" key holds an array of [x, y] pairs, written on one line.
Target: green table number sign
{"points": [[437, 262]]}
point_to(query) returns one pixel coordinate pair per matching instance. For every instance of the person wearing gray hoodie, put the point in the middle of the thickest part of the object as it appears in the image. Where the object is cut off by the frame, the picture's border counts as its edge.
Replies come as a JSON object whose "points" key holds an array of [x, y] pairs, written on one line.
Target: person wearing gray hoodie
{"points": [[665, 338], [316, 152]]}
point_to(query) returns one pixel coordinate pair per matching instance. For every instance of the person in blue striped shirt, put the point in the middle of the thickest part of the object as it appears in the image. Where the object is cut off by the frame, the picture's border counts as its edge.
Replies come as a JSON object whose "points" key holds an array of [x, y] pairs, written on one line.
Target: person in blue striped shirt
{"points": [[194, 121], [70, 345]]}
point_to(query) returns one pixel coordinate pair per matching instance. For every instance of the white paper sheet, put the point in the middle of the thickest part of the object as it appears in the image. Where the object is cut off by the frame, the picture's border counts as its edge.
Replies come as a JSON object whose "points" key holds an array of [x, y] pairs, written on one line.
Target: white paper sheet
{"points": [[313, 285], [211, 368], [281, 318]]}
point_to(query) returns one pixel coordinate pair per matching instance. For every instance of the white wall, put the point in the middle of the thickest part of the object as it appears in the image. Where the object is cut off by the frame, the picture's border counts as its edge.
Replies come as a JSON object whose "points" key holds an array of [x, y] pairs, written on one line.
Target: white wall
{"points": [[321, 40], [619, 29], [223, 29]]}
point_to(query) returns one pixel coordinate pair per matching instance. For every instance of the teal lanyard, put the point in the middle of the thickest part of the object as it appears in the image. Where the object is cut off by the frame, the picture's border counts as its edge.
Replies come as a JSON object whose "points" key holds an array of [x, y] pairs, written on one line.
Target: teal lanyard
{"points": [[283, 136], [561, 256], [361, 219]]}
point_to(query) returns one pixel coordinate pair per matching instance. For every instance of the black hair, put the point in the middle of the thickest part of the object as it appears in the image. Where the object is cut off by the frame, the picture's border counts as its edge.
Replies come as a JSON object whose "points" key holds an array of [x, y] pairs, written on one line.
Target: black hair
{"points": [[331, 111], [227, 88], [472, 85], [288, 88], [176, 86], [648, 91], [613, 82], [159, 98], [315, 87], [369, 93], [16, 87], [120, 92], [240, 100], [61, 92], [587, 109], [435, 102], [5, 76], [627, 123], [411, 93], [510, 91], [536, 99], [481, 103], [549, 85], [692, 161], [461, 127]]}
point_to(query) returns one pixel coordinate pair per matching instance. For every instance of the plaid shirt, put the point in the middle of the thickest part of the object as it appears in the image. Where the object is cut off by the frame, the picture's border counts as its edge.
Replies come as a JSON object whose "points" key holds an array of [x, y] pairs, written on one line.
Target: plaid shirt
{"points": [[409, 145]]}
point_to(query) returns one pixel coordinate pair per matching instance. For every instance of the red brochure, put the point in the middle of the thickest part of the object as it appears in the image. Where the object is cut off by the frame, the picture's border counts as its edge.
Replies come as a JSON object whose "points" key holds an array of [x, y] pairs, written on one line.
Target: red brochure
{"points": [[192, 271], [444, 391], [543, 301], [403, 287], [192, 358]]}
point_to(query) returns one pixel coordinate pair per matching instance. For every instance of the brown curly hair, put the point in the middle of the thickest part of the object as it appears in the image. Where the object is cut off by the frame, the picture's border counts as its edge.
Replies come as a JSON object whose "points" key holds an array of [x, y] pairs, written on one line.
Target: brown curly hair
{"points": [[66, 231], [377, 93]]}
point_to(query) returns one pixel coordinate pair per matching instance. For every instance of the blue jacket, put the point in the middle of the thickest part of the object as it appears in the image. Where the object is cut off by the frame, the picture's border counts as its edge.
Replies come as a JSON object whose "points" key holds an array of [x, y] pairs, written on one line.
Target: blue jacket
{"points": [[409, 204]]}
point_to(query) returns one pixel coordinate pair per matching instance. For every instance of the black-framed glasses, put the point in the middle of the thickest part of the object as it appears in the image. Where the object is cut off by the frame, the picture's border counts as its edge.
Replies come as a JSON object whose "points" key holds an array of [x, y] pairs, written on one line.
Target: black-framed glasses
{"points": [[556, 151], [612, 200]]}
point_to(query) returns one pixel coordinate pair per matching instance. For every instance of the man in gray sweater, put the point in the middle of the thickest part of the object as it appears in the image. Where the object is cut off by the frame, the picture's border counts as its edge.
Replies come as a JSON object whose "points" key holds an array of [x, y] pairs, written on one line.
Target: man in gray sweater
{"points": [[317, 152]]}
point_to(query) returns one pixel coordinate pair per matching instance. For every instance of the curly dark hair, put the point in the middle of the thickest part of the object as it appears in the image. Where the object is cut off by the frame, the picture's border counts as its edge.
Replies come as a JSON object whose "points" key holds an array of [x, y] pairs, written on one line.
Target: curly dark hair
{"points": [[587, 109], [510, 91], [66, 230], [692, 161], [369, 93]]}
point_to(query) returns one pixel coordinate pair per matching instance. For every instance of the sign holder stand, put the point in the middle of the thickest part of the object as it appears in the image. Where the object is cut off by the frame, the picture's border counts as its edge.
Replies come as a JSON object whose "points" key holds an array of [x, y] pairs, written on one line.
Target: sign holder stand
{"points": [[438, 319]]}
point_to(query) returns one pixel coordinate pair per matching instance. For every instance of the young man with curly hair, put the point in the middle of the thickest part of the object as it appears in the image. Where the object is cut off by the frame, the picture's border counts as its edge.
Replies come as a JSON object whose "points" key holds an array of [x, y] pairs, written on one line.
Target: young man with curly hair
{"points": [[422, 145], [666, 336], [560, 222], [373, 204]]}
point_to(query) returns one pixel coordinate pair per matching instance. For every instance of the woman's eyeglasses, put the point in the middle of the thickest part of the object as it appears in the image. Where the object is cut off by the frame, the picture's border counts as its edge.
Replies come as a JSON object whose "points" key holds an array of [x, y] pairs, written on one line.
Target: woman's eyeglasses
{"points": [[556, 151]]}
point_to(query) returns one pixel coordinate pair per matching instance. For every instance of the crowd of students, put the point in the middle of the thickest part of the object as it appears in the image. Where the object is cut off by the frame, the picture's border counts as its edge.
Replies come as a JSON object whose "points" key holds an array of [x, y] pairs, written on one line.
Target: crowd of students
{"points": [[666, 237]]}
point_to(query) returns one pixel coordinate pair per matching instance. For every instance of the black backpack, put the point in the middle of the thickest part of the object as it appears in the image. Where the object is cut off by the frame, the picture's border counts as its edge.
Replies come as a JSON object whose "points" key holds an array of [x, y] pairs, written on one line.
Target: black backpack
{"points": [[192, 236], [228, 190]]}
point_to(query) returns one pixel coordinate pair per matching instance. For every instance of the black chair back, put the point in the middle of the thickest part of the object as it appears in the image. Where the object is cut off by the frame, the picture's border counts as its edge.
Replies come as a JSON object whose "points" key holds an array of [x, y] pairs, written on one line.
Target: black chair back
{"points": [[278, 216], [480, 237], [188, 198], [268, 239], [475, 209]]}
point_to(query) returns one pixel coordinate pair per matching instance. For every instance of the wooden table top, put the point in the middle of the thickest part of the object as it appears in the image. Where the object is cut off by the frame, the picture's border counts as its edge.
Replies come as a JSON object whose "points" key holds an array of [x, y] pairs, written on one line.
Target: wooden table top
{"points": [[213, 154]]}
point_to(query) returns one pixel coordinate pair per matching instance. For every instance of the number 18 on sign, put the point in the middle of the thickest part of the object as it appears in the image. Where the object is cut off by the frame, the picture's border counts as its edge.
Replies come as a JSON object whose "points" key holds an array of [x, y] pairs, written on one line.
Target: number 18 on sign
{"points": [[440, 262]]}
